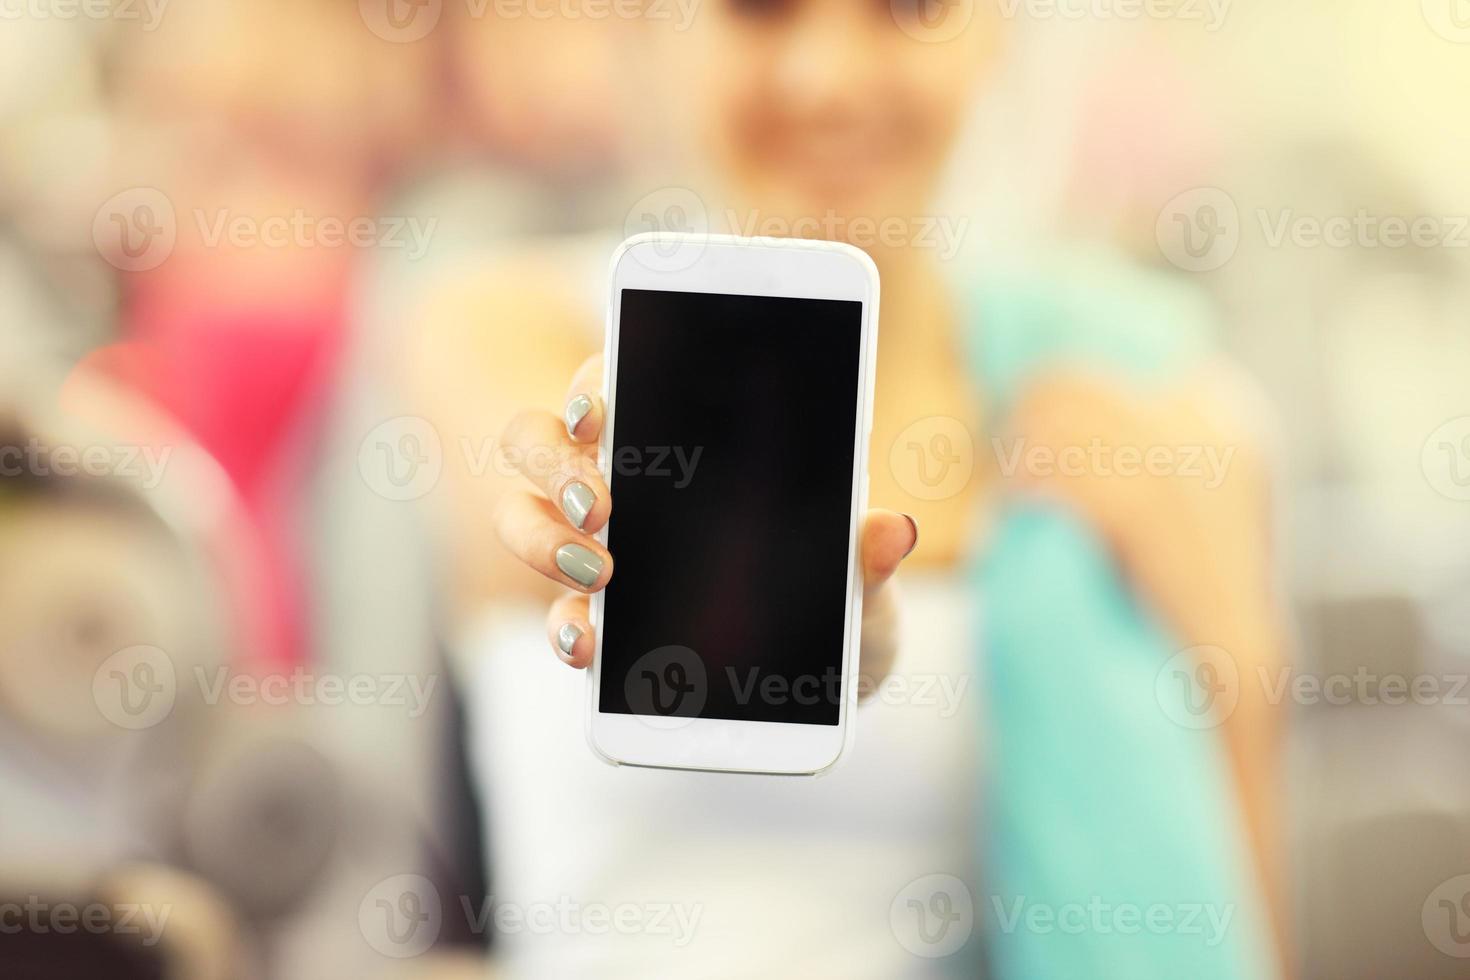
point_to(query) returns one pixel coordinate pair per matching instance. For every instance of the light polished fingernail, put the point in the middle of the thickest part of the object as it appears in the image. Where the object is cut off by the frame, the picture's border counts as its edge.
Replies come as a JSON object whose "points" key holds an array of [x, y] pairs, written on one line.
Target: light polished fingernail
{"points": [[913, 522], [577, 409], [580, 564], [576, 502], [567, 637]]}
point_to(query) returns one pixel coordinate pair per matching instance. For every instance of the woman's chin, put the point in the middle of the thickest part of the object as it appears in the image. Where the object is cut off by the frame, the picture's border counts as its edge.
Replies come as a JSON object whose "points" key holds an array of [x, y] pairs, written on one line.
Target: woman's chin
{"points": [[847, 211]]}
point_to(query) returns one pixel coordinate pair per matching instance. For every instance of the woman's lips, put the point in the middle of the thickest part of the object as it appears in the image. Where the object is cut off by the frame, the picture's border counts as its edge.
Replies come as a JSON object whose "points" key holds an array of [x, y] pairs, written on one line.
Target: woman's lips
{"points": [[842, 162]]}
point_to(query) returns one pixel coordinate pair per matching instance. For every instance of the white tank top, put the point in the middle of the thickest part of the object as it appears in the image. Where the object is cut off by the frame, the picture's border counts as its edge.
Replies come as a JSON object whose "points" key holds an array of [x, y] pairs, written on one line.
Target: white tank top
{"points": [[718, 875], [724, 875]]}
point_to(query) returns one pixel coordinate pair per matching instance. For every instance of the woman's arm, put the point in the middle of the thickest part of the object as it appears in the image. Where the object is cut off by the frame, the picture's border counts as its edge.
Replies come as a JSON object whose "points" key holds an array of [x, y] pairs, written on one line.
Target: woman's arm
{"points": [[1176, 483], [493, 366]]}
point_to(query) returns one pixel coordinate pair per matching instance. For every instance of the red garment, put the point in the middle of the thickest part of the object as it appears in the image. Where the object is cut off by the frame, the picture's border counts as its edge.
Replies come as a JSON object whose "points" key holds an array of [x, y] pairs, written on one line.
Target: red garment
{"points": [[251, 386]]}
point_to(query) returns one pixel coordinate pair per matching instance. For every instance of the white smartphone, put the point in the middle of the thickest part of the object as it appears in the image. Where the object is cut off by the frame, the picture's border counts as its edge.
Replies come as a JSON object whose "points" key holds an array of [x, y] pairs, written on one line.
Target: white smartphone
{"points": [[739, 387]]}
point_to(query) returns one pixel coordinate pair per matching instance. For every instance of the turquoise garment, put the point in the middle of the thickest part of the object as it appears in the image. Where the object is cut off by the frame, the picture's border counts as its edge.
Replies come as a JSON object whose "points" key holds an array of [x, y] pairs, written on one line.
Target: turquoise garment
{"points": [[1112, 848]]}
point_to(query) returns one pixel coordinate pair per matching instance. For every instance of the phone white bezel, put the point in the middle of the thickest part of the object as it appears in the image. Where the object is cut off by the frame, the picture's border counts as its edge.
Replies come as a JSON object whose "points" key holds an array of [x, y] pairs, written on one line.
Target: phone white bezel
{"points": [[727, 264]]}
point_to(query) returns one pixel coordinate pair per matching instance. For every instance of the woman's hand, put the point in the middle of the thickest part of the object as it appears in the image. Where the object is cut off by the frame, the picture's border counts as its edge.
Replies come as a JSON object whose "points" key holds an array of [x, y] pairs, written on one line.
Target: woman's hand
{"points": [[550, 527]]}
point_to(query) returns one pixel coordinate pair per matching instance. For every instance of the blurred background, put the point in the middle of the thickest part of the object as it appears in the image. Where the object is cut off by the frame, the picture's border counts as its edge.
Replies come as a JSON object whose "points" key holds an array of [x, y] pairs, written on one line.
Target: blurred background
{"points": [[249, 729]]}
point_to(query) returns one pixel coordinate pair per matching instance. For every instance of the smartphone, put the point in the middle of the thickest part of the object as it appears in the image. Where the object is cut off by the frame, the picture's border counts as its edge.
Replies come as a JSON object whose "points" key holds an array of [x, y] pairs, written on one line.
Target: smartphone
{"points": [[739, 394]]}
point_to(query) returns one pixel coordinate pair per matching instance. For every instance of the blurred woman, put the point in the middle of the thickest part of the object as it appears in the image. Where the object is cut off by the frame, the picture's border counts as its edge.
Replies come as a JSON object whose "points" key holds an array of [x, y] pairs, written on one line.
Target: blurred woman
{"points": [[825, 118]]}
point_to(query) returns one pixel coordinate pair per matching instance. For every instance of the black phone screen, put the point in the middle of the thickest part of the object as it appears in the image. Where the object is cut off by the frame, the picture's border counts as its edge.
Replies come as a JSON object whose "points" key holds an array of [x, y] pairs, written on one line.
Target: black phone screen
{"points": [[732, 471]]}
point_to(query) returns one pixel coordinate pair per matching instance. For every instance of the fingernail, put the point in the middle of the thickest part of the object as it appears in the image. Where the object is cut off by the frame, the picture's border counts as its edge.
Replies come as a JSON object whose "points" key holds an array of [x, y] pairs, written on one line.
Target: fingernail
{"points": [[567, 637], [913, 522], [577, 410], [576, 503], [580, 564]]}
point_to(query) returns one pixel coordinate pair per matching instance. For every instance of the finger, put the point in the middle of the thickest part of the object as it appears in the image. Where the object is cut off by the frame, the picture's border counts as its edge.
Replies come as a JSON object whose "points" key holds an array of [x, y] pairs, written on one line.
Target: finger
{"points": [[583, 414], [535, 532], [536, 444], [888, 537], [570, 630], [879, 646]]}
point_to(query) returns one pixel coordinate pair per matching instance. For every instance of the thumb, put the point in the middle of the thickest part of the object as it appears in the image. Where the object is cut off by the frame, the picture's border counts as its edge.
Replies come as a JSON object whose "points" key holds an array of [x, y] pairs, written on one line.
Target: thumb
{"points": [[887, 538]]}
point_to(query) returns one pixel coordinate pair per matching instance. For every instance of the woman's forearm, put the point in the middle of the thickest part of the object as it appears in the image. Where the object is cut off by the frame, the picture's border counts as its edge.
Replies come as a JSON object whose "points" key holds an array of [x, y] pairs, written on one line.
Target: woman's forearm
{"points": [[1253, 737]]}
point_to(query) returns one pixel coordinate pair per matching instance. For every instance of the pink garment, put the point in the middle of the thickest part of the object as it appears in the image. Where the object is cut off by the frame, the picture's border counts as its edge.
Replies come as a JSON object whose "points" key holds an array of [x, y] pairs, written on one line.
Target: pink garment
{"points": [[251, 385]]}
